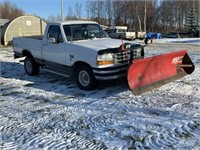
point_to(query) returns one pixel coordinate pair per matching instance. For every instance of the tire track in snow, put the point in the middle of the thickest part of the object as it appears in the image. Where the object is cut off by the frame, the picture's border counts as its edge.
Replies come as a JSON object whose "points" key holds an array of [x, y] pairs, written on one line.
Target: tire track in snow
{"points": [[101, 122], [41, 123], [158, 134], [16, 132], [170, 138]]}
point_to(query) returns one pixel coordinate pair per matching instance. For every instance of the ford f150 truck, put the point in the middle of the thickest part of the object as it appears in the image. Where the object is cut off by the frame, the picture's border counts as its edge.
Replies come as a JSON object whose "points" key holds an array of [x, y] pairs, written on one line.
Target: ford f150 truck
{"points": [[81, 49]]}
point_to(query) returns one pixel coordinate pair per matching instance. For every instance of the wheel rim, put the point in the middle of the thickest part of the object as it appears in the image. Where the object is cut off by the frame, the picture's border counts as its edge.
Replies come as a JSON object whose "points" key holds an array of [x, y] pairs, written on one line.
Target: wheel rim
{"points": [[84, 78], [29, 67]]}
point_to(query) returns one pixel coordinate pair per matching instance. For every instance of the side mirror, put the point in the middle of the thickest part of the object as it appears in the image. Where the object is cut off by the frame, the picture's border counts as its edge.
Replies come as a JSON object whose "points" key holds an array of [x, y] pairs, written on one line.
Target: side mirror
{"points": [[51, 40]]}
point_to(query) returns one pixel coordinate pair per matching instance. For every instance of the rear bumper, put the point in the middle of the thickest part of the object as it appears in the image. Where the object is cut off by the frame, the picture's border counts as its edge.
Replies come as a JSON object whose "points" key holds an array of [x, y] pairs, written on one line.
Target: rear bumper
{"points": [[130, 37], [111, 72]]}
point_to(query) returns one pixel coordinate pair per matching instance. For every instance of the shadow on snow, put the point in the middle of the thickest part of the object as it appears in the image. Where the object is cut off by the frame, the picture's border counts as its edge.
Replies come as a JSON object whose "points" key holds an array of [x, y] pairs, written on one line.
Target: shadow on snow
{"points": [[58, 84]]}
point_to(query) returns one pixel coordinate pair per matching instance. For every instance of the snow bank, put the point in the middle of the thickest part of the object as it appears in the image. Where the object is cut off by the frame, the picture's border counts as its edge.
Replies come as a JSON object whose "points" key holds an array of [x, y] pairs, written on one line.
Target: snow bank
{"points": [[178, 40]]}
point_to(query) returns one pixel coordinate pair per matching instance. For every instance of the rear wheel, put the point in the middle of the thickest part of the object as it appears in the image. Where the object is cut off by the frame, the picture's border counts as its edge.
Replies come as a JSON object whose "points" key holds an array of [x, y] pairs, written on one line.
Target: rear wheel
{"points": [[120, 37], [31, 67], [85, 78]]}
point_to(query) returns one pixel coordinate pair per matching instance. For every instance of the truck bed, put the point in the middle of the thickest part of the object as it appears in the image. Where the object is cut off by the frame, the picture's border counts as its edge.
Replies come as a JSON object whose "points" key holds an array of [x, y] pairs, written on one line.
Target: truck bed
{"points": [[38, 37], [31, 43]]}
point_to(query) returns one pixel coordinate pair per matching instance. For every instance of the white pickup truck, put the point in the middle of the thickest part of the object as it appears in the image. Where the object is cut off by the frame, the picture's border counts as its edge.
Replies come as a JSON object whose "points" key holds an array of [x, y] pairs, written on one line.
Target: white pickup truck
{"points": [[77, 48], [121, 33], [126, 34], [138, 35]]}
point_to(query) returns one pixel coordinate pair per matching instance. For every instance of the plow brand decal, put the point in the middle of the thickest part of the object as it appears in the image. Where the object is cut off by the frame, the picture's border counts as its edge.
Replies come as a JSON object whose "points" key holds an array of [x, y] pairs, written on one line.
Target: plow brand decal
{"points": [[177, 60]]}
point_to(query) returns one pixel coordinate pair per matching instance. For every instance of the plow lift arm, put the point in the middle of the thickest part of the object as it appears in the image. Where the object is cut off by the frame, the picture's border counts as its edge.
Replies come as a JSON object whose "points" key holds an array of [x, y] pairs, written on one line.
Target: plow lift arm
{"points": [[149, 73]]}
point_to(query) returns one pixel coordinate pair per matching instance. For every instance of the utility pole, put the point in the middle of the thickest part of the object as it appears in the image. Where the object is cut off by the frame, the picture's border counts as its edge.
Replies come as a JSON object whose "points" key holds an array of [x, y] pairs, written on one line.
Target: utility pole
{"points": [[62, 15]]}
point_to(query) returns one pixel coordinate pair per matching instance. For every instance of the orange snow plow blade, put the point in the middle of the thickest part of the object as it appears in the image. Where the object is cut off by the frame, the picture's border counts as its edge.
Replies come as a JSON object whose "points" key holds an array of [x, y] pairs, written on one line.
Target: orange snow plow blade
{"points": [[149, 73]]}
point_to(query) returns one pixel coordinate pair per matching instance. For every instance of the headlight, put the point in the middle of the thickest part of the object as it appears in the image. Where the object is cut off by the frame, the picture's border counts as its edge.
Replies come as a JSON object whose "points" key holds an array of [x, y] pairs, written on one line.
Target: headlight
{"points": [[105, 59]]}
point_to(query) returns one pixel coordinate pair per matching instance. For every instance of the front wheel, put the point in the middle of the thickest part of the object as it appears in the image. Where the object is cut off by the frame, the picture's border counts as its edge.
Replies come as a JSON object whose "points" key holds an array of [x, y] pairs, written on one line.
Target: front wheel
{"points": [[85, 78], [31, 67]]}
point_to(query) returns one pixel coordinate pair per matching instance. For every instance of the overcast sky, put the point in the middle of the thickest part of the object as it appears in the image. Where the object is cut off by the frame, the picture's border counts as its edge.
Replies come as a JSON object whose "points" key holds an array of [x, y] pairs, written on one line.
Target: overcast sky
{"points": [[44, 8]]}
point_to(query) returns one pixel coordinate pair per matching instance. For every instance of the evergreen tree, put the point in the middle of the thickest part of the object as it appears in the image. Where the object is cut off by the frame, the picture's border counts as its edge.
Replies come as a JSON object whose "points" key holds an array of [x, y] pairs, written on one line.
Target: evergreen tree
{"points": [[192, 21]]}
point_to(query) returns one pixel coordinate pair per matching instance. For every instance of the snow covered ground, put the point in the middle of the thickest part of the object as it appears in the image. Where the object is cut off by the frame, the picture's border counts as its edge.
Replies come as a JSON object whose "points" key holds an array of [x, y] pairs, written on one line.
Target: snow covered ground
{"points": [[50, 112], [179, 40]]}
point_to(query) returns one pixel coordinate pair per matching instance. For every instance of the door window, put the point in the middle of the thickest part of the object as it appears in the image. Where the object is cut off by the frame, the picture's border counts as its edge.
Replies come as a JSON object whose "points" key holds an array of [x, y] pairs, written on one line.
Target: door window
{"points": [[54, 32]]}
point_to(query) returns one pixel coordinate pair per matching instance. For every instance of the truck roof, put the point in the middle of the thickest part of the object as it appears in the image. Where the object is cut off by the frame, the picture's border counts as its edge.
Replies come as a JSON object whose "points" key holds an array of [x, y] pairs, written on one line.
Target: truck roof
{"points": [[118, 27], [73, 22]]}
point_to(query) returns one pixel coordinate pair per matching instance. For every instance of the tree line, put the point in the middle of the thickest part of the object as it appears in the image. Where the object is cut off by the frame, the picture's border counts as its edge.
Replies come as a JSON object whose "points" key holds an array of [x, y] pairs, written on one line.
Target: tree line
{"points": [[9, 10], [145, 15], [141, 15]]}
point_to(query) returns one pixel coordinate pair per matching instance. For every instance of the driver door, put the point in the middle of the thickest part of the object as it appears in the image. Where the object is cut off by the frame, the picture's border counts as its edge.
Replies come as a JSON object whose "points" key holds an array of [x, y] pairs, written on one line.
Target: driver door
{"points": [[54, 51]]}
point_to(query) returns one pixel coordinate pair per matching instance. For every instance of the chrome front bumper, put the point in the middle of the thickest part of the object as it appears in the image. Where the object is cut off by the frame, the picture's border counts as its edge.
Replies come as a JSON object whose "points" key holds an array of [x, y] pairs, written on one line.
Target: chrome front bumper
{"points": [[111, 72]]}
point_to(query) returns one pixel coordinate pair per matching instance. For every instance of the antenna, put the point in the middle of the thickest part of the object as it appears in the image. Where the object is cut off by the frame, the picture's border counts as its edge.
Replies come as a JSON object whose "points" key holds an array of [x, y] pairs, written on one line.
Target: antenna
{"points": [[62, 16]]}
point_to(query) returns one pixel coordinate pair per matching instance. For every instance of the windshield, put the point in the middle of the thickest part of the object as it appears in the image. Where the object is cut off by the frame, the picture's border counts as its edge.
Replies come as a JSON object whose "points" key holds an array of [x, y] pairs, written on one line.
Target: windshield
{"points": [[83, 31]]}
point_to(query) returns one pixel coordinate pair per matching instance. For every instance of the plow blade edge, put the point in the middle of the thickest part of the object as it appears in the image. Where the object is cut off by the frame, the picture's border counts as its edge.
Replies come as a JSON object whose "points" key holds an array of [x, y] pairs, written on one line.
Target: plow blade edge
{"points": [[149, 73]]}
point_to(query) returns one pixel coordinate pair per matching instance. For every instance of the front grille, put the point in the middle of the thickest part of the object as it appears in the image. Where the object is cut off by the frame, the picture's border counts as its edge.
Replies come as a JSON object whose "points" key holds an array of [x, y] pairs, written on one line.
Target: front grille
{"points": [[122, 57], [127, 56]]}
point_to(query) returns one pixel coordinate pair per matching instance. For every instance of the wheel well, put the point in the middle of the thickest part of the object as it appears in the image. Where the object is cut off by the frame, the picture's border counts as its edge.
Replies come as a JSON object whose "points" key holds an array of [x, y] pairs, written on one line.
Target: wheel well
{"points": [[77, 64], [26, 53]]}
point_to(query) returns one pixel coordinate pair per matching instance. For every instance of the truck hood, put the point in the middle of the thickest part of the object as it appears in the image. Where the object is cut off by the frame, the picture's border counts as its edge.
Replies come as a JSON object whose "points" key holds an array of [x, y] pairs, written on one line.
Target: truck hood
{"points": [[99, 44]]}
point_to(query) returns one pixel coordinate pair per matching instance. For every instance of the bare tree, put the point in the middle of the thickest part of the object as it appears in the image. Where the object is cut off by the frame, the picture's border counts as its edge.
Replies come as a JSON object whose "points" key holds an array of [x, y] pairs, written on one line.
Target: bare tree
{"points": [[97, 11], [87, 9], [10, 11], [51, 18], [118, 11], [108, 9], [70, 14], [151, 15], [138, 11], [78, 9]]}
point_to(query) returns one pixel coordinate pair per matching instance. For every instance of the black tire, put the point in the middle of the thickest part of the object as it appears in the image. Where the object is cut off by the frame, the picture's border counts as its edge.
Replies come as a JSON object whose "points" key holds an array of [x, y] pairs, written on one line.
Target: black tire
{"points": [[84, 77], [31, 67], [146, 41]]}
